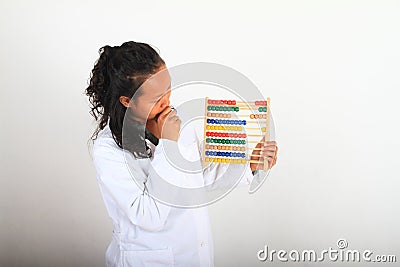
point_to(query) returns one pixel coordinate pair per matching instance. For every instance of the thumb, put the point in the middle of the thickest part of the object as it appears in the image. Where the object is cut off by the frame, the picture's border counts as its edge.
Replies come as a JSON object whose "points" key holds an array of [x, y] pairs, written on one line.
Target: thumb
{"points": [[164, 113]]}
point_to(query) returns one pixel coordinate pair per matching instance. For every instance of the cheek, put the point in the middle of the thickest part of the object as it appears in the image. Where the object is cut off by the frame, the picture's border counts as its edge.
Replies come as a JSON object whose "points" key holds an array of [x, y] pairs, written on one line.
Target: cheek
{"points": [[155, 110]]}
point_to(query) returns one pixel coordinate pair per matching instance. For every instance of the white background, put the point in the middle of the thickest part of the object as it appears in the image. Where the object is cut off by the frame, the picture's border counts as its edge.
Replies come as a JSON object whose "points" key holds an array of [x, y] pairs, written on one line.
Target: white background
{"points": [[331, 68]]}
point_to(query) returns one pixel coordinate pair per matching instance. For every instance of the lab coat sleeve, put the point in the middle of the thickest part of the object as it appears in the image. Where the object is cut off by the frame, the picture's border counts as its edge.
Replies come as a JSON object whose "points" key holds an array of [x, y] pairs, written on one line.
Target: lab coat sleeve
{"points": [[224, 171], [136, 203]]}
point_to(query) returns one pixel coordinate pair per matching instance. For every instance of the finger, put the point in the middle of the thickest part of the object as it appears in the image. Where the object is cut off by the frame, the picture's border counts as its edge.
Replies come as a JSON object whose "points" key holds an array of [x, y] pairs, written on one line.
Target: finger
{"points": [[172, 117], [256, 152], [268, 153], [269, 148], [269, 143], [270, 162], [259, 145], [165, 112]]}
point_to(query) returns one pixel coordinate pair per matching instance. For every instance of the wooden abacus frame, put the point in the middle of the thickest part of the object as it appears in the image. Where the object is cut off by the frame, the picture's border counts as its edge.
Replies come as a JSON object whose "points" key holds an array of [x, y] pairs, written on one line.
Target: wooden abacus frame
{"points": [[236, 106]]}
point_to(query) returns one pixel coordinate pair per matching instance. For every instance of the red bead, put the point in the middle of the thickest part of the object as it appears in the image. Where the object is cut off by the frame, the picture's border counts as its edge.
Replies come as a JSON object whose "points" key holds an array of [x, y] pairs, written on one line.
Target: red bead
{"points": [[233, 102]]}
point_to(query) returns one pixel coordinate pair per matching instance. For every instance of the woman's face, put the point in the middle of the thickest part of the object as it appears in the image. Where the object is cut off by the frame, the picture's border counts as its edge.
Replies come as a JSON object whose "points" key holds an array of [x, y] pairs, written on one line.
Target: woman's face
{"points": [[153, 97]]}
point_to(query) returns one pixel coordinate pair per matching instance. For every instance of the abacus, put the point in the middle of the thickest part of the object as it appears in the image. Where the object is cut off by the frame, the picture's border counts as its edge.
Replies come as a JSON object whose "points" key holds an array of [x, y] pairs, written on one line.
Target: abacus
{"points": [[232, 129]]}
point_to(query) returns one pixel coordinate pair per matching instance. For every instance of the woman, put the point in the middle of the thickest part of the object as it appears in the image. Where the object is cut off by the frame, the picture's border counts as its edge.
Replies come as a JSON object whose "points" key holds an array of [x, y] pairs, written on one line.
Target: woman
{"points": [[146, 232]]}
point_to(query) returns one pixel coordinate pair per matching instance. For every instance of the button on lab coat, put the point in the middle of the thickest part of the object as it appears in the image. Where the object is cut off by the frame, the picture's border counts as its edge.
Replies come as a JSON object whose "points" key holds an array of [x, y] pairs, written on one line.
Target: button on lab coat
{"points": [[150, 233]]}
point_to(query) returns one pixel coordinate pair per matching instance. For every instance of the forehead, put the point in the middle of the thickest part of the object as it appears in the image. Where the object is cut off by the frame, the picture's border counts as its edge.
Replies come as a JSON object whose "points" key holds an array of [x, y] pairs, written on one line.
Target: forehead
{"points": [[156, 85]]}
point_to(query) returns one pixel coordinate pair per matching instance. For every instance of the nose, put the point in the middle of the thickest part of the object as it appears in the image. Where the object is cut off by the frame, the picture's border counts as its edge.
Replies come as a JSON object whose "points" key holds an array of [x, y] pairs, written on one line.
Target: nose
{"points": [[165, 102]]}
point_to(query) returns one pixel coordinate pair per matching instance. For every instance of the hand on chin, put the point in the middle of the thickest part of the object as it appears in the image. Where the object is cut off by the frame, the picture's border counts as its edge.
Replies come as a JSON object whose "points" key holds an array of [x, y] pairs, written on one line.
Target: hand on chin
{"points": [[152, 126]]}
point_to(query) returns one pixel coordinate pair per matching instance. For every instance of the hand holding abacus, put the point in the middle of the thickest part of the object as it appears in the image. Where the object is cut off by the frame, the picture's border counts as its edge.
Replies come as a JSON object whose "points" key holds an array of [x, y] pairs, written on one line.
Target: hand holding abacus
{"points": [[264, 149]]}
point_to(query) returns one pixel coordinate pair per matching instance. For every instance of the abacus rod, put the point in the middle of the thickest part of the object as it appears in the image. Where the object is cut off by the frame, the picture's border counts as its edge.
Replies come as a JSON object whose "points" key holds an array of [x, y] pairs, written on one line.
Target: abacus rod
{"points": [[247, 160], [260, 122], [250, 128], [237, 104], [235, 116], [254, 161]]}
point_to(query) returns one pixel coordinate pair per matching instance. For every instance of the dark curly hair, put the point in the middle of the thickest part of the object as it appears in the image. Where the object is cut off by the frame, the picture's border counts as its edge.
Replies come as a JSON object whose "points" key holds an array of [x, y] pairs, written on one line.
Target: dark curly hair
{"points": [[119, 71]]}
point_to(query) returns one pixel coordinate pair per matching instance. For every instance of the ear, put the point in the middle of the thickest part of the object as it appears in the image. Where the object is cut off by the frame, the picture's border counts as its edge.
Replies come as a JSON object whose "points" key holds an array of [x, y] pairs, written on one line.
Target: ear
{"points": [[124, 100]]}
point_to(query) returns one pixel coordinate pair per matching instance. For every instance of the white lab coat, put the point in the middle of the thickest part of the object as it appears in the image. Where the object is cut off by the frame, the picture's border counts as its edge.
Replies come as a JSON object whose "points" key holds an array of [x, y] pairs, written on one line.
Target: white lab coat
{"points": [[151, 233]]}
